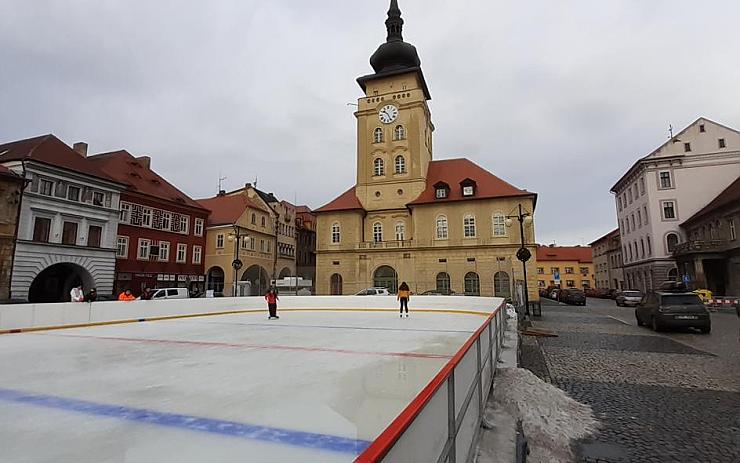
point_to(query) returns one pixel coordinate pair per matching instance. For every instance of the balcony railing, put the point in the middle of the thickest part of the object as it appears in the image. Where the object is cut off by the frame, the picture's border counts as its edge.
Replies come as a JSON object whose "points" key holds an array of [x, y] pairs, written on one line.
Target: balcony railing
{"points": [[384, 244], [699, 246]]}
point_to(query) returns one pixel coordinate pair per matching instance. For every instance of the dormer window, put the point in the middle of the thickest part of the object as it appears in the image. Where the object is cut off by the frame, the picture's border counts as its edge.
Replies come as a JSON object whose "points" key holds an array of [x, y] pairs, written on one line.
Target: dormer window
{"points": [[441, 190], [468, 187]]}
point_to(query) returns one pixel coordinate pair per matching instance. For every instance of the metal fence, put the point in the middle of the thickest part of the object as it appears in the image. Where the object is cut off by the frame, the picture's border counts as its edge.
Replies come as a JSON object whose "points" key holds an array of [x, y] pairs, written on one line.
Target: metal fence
{"points": [[442, 423]]}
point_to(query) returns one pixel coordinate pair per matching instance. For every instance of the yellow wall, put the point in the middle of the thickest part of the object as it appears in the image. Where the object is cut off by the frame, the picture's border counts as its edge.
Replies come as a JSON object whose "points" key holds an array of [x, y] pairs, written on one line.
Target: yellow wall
{"points": [[576, 276]]}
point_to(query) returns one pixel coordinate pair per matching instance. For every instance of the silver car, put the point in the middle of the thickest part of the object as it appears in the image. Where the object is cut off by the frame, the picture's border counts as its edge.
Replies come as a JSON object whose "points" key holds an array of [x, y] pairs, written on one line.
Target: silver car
{"points": [[628, 298], [374, 292]]}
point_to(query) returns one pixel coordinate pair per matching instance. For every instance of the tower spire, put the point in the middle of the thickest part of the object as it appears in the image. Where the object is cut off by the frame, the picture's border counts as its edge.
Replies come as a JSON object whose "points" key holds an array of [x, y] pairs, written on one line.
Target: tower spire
{"points": [[394, 23]]}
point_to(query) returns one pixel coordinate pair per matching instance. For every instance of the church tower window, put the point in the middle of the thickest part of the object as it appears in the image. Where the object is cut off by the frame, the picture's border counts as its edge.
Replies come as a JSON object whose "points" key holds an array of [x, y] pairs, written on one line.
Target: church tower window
{"points": [[400, 164], [399, 133], [379, 167], [378, 135]]}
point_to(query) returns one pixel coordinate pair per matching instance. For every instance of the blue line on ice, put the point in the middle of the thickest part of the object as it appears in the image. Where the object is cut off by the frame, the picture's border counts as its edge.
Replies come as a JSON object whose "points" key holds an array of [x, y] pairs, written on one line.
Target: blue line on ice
{"points": [[191, 423]]}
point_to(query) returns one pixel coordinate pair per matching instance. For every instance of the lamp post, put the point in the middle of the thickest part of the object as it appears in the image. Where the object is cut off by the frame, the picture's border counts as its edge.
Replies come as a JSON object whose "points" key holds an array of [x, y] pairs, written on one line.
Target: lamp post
{"points": [[523, 254], [237, 236]]}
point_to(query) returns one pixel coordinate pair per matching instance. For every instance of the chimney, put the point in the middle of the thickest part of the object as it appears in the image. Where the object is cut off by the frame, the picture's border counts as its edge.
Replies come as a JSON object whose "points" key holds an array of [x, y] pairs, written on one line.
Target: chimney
{"points": [[81, 148], [222, 192], [247, 185], [145, 161]]}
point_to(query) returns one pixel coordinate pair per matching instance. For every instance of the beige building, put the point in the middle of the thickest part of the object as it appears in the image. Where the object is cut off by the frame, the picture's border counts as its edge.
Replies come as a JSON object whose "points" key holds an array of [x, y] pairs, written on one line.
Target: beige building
{"points": [[440, 225], [241, 227], [608, 261], [565, 267]]}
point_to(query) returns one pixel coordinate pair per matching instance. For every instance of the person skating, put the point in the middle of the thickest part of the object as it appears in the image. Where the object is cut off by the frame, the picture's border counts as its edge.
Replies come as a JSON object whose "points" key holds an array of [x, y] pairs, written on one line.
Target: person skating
{"points": [[404, 294], [91, 295], [126, 296], [271, 297]]}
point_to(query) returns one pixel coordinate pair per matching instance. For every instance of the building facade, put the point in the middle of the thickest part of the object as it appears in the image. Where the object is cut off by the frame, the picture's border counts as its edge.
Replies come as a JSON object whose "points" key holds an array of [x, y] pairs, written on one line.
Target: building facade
{"points": [[710, 257], [11, 189], [607, 257], [439, 225], [565, 267], [161, 231], [68, 220], [240, 228], [305, 223], [664, 188]]}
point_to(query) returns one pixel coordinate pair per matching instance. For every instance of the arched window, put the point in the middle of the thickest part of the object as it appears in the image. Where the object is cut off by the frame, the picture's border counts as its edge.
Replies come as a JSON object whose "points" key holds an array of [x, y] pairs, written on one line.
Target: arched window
{"points": [[443, 283], [377, 232], [379, 168], [469, 226], [335, 235], [442, 227], [399, 133], [472, 284], [378, 135], [499, 224], [673, 274], [671, 240], [335, 285], [501, 285], [400, 231], [386, 277], [400, 164]]}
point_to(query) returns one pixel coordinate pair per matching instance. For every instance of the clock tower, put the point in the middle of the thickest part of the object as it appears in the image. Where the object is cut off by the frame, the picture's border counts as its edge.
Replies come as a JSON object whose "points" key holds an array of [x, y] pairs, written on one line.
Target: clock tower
{"points": [[394, 127]]}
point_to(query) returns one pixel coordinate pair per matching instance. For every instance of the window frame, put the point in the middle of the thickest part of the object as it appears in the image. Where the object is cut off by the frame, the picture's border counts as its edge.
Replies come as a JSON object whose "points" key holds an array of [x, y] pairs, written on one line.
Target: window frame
{"points": [[198, 226], [399, 133], [45, 182], [441, 224], [64, 240], [377, 232], [378, 135], [469, 226], [220, 241], [378, 167], [400, 229], [184, 248], [164, 256], [671, 183], [100, 235], [400, 167], [143, 244], [48, 229], [197, 254], [674, 208], [336, 233], [501, 226], [122, 244]]}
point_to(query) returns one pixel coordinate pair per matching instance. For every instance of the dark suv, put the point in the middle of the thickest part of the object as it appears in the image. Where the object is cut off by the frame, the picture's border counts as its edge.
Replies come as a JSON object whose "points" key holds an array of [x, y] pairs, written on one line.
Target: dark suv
{"points": [[573, 296], [664, 309]]}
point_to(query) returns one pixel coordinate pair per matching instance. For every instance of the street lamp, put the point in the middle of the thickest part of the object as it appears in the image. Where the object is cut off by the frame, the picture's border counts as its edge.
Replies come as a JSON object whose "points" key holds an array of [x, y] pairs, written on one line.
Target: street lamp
{"points": [[237, 237], [523, 254]]}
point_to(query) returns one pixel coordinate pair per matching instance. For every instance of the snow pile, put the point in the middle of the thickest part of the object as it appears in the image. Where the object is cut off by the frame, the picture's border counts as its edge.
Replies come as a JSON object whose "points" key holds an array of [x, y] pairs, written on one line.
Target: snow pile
{"points": [[550, 418]]}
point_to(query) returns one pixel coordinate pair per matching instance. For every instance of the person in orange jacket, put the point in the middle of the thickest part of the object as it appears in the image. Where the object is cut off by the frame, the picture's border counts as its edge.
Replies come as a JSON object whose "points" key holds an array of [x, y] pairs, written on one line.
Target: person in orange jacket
{"points": [[126, 296], [271, 297], [404, 294]]}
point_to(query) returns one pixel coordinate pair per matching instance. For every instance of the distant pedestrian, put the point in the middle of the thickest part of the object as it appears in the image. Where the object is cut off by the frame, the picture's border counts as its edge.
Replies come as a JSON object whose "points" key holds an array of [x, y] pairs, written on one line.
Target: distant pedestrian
{"points": [[76, 295], [271, 297], [404, 294], [91, 295], [126, 296], [147, 294]]}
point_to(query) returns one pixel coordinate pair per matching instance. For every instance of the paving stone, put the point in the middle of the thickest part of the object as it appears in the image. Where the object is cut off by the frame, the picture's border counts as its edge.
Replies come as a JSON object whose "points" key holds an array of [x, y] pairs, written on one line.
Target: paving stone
{"points": [[637, 343]]}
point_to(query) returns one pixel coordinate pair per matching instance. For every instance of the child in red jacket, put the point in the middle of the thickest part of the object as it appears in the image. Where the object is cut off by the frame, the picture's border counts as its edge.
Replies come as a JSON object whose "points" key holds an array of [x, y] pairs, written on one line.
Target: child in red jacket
{"points": [[271, 297]]}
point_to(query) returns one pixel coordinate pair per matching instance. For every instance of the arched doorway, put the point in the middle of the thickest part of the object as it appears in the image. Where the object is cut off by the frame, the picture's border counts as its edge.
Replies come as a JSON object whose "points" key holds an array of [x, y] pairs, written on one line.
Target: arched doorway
{"points": [[215, 279], [671, 242], [285, 272], [472, 284], [443, 283], [335, 285], [54, 283], [501, 285], [257, 278], [673, 274], [386, 277]]}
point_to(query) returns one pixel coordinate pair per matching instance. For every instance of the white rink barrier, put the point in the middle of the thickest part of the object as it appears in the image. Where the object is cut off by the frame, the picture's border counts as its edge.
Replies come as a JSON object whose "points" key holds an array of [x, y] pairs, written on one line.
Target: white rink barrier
{"points": [[31, 317], [442, 423]]}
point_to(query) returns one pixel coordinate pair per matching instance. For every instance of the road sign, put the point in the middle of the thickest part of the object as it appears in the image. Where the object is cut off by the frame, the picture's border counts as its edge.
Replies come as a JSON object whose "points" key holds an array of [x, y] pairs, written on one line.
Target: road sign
{"points": [[556, 277]]}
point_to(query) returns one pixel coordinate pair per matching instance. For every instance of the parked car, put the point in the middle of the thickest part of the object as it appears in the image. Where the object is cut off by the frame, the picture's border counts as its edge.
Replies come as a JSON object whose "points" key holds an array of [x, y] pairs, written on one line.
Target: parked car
{"points": [[170, 293], [661, 310], [629, 297], [554, 294], [374, 292], [573, 296], [437, 292]]}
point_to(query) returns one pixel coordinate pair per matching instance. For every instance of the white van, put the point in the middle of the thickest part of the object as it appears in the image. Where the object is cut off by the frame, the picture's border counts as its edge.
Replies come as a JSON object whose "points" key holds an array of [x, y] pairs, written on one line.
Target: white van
{"points": [[170, 293]]}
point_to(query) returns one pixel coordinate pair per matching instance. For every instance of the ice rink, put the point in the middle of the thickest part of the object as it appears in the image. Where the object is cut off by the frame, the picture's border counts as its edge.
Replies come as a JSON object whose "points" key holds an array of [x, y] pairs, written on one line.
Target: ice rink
{"points": [[314, 386]]}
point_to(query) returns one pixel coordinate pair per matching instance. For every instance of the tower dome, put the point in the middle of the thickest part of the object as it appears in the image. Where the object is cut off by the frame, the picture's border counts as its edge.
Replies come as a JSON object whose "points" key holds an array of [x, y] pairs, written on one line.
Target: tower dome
{"points": [[394, 53]]}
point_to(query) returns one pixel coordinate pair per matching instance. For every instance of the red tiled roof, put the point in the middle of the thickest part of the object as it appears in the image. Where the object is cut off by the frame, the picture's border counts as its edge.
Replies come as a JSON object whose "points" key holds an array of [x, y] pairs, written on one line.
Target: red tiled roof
{"points": [[226, 210], [125, 168], [454, 171], [5, 172], [728, 196], [48, 149], [573, 253], [347, 201]]}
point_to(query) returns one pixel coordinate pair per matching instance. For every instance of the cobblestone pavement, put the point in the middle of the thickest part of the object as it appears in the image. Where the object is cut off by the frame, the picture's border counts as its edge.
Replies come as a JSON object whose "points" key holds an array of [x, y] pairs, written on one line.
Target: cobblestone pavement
{"points": [[672, 397]]}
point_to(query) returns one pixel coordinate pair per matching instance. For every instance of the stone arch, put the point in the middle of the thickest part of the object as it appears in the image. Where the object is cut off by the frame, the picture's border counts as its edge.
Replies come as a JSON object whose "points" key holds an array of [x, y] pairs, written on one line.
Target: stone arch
{"points": [[501, 285], [285, 272], [215, 279], [385, 276], [257, 278], [443, 283], [472, 284], [54, 283]]}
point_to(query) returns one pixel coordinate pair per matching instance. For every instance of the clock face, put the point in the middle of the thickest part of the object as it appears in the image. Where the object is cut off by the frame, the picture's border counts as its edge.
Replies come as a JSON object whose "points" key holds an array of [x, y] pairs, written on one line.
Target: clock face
{"points": [[388, 114]]}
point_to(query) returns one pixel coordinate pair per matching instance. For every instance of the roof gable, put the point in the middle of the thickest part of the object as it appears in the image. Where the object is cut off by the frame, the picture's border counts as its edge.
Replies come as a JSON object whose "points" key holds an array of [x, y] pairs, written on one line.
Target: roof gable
{"points": [[347, 201], [730, 196], [226, 210], [462, 171]]}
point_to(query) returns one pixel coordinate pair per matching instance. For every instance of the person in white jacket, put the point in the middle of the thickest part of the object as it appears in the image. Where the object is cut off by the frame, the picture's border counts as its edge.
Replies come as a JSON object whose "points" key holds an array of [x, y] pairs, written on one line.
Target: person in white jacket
{"points": [[76, 295]]}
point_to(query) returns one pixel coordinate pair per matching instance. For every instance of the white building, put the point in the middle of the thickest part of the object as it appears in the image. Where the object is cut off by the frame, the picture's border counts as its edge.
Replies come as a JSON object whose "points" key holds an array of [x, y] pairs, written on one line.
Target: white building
{"points": [[68, 220], [666, 187]]}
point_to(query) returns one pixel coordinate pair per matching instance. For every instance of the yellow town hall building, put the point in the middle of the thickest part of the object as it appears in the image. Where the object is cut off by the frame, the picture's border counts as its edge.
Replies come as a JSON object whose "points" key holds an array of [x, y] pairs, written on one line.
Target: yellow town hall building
{"points": [[437, 224]]}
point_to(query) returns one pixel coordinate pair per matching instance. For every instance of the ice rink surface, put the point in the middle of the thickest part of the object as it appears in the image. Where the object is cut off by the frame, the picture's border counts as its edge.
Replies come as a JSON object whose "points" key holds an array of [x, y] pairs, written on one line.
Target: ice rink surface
{"points": [[314, 386]]}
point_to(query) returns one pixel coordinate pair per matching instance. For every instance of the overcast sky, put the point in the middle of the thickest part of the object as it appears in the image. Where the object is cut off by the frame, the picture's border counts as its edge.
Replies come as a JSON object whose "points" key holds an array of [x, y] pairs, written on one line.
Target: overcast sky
{"points": [[559, 98]]}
